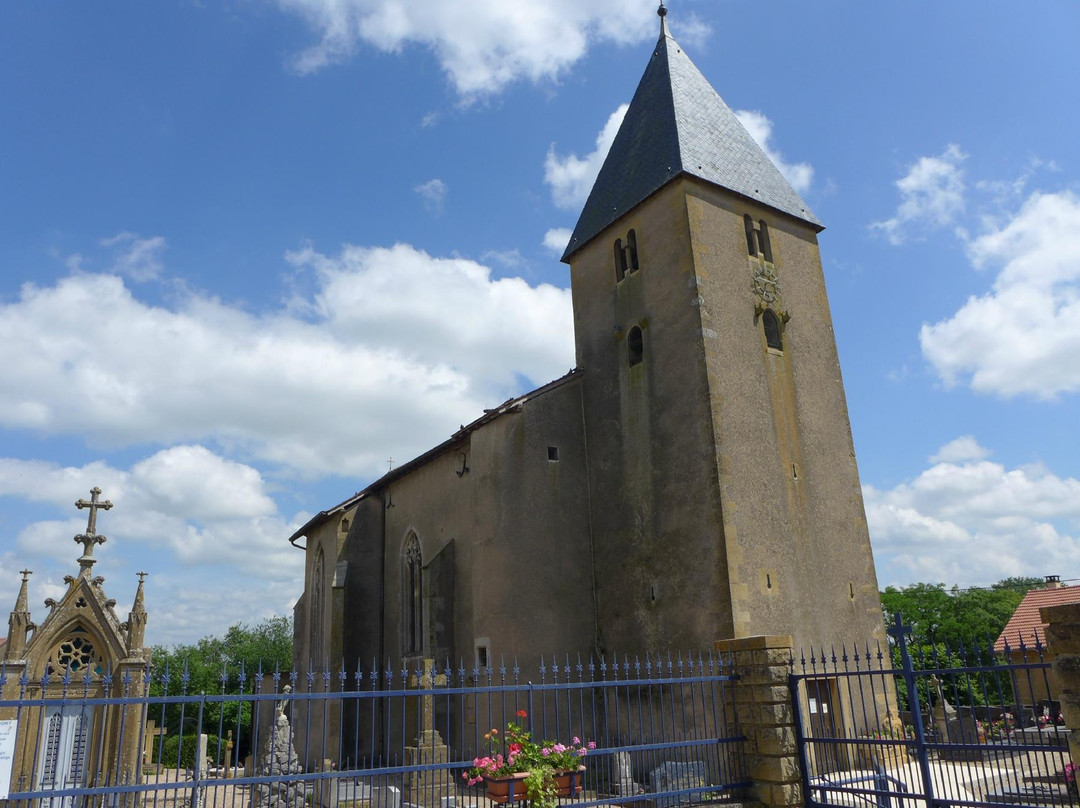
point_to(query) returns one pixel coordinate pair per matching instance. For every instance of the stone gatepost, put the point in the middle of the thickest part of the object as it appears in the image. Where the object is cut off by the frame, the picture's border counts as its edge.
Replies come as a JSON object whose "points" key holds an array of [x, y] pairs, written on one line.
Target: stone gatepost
{"points": [[1063, 645], [766, 717]]}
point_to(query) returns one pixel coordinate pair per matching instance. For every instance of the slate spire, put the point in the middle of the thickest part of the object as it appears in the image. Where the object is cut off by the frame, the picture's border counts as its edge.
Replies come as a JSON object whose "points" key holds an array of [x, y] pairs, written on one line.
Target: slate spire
{"points": [[678, 124]]}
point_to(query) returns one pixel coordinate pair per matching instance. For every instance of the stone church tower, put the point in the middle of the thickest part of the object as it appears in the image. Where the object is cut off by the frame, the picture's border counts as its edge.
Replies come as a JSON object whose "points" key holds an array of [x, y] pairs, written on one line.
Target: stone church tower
{"points": [[726, 498], [80, 650]]}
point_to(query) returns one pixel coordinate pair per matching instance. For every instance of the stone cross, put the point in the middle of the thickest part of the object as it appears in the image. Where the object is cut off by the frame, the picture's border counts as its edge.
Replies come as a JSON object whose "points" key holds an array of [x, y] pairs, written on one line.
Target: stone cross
{"points": [[142, 577], [428, 680], [90, 537], [26, 574]]}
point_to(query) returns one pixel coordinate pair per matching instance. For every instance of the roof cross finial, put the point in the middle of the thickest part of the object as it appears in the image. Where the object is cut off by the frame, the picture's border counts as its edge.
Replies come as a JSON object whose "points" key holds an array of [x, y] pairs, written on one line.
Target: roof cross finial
{"points": [[26, 574], [142, 576], [90, 537]]}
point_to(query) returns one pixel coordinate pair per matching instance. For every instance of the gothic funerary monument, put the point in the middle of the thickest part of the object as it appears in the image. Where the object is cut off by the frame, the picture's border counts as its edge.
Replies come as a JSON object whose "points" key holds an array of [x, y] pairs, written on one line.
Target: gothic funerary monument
{"points": [[693, 478]]}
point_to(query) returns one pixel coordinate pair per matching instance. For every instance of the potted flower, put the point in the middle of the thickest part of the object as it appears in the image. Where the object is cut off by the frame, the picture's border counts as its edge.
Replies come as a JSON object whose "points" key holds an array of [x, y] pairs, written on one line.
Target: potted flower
{"points": [[537, 771]]}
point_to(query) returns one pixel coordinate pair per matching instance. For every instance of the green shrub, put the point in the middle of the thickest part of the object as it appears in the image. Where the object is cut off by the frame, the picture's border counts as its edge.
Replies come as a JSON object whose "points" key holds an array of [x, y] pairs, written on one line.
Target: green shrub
{"points": [[165, 753]]}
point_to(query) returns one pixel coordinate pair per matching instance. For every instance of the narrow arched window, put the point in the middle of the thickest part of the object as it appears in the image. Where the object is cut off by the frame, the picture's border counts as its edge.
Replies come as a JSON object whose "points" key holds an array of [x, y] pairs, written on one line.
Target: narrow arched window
{"points": [[317, 608], [771, 324], [635, 345], [751, 238], [763, 237], [413, 595], [631, 251], [620, 260]]}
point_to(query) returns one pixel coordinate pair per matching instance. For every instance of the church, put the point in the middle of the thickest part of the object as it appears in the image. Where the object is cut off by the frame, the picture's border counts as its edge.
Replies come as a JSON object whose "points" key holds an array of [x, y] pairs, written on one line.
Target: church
{"points": [[692, 479]]}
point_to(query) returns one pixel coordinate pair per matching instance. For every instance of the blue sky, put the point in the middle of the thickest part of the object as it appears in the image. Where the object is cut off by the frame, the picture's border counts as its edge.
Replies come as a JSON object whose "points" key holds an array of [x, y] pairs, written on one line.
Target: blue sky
{"points": [[251, 250]]}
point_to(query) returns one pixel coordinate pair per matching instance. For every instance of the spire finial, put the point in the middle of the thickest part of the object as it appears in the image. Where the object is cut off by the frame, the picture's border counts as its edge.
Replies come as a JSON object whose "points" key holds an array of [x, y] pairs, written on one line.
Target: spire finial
{"points": [[91, 537], [26, 574], [662, 14]]}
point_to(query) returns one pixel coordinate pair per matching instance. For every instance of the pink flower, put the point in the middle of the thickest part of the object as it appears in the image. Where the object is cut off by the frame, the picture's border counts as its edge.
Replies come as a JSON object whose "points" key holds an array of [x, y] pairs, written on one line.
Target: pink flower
{"points": [[545, 752], [577, 740], [559, 747], [592, 744], [581, 752]]}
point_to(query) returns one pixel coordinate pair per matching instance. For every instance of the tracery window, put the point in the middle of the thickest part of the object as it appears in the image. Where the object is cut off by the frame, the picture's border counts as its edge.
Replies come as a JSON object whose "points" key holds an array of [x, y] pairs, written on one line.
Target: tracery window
{"points": [[413, 595], [76, 653]]}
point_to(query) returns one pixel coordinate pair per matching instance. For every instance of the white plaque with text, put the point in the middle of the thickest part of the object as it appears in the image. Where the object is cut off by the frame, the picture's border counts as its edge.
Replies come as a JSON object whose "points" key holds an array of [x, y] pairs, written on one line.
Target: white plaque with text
{"points": [[7, 755]]}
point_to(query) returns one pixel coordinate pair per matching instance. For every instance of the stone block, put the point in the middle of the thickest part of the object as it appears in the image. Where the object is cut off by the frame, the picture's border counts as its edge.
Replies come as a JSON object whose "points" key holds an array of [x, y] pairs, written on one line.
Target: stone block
{"points": [[772, 694], [775, 715], [1065, 613], [752, 643], [672, 776], [385, 797], [777, 770], [1063, 638], [776, 741]]}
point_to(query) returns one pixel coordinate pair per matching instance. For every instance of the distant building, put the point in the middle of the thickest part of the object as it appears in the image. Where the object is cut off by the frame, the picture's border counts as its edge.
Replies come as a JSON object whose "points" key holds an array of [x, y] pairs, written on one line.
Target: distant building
{"points": [[80, 650], [692, 479], [1023, 639]]}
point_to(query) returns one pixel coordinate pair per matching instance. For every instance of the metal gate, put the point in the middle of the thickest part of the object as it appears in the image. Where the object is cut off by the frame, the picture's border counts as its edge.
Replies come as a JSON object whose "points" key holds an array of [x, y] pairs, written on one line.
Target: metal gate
{"points": [[922, 724]]}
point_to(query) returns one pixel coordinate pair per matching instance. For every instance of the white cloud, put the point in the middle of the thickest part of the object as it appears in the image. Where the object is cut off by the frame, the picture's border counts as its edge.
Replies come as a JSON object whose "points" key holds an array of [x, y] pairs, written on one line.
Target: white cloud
{"points": [[931, 195], [557, 238], [971, 521], [963, 448], [137, 258], [482, 45], [394, 350], [433, 192], [1023, 336], [572, 177], [203, 525], [800, 175]]}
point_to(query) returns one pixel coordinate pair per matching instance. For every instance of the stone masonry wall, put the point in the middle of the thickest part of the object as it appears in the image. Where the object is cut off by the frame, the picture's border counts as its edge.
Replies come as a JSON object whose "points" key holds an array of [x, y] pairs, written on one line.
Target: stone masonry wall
{"points": [[765, 714], [1063, 644]]}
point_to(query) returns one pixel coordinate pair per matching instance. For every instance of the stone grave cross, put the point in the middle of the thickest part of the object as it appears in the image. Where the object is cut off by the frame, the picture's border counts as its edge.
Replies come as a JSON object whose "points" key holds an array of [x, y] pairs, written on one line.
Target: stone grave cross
{"points": [[428, 788], [427, 681], [91, 537]]}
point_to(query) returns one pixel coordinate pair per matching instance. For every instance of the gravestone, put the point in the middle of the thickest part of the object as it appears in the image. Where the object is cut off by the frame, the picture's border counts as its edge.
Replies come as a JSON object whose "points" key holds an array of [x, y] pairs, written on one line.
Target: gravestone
{"points": [[429, 787], [385, 797], [672, 776], [278, 758], [624, 776]]}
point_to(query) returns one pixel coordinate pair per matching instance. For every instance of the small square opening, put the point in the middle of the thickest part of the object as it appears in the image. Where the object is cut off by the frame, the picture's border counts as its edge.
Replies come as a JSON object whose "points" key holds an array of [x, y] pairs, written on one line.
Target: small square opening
{"points": [[553, 453]]}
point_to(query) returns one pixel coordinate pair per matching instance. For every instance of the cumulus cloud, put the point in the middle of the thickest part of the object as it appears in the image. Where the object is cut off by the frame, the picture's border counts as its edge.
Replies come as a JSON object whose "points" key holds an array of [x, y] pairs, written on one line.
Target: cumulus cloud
{"points": [[973, 521], [557, 238], [180, 509], [931, 195], [482, 45], [572, 177], [393, 350], [800, 175], [135, 257], [433, 192], [1022, 337], [963, 448]]}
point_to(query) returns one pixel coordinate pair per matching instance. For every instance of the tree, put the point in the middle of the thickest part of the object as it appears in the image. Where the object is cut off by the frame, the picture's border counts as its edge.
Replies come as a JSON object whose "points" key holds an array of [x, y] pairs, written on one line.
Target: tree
{"points": [[217, 666]]}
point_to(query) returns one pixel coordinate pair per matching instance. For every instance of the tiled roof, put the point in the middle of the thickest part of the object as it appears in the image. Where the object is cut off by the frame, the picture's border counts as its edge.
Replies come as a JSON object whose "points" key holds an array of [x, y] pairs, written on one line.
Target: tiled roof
{"points": [[678, 124], [1025, 624]]}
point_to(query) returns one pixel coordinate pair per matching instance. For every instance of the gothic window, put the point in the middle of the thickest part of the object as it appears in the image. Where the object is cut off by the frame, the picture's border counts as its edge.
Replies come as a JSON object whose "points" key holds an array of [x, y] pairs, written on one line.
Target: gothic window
{"points": [[763, 240], [771, 324], [620, 260], [751, 236], [631, 252], [413, 595], [635, 345], [317, 607], [76, 653]]}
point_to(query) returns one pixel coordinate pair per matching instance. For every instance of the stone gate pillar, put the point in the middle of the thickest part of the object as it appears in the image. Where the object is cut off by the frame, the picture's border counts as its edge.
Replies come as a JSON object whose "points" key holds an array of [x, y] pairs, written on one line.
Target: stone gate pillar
{"points": [[1063, 645], [765, 714]]}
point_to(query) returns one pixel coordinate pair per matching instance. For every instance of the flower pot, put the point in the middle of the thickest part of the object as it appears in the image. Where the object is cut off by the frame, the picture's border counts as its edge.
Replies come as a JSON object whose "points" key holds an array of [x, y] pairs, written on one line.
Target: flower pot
{"points": [[512, 788], [507, 789]]}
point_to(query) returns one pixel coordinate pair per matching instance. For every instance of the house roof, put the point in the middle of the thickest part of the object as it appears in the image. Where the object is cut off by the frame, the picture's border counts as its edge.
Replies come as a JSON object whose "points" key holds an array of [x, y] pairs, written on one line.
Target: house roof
{"points": [[508, 406], [678, 124], [1025, 625]]}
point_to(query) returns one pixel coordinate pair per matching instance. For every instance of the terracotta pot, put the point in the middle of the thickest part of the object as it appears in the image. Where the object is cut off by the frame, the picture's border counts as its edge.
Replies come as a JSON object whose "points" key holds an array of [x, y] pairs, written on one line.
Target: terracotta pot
{"points": [[512, 788]]}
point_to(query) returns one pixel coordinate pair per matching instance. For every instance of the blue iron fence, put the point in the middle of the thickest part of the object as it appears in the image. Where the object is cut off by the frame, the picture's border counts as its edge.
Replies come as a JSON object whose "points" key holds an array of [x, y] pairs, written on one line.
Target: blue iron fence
{"points": [[663, 729], [919, 723]]}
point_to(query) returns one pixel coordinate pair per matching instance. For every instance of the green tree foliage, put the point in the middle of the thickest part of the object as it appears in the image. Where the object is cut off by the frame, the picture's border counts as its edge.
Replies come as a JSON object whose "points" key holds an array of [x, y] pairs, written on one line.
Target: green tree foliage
{"points": [[212, 667], [955, 628]]}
